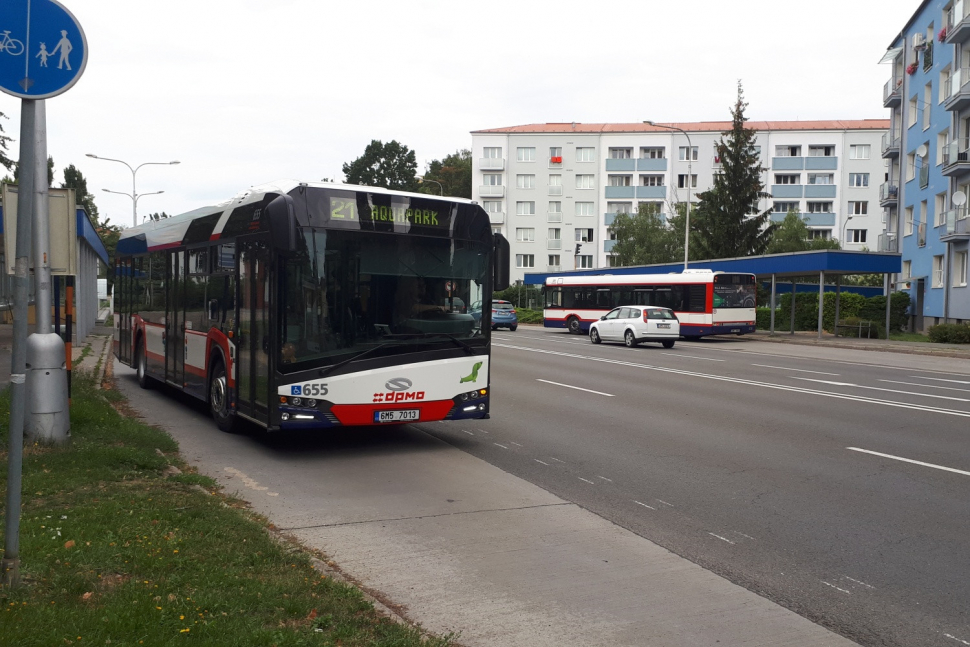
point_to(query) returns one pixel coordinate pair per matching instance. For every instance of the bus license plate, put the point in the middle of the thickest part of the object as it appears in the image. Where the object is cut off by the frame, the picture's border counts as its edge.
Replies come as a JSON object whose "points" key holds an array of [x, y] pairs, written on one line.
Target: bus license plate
{"points": [[401, 415], [663, 325], [735, 330]]}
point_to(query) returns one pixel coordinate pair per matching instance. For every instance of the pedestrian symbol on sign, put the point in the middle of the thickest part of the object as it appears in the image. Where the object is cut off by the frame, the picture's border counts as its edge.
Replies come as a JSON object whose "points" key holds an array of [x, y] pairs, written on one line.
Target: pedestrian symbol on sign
{"points": [[64, 46]]}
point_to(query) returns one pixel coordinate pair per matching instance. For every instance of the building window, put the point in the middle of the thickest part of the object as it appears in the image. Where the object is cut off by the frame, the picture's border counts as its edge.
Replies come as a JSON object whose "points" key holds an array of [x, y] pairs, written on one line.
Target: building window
{"points": [[555, 207], [555, 180], [525, 181], [821, 151], [820, 207], [492, 179], [584, 208], [525, 208], [619, 180], [788, 151], [927, 103], [496, 230], [555, 234], [584, 262], [554, 261], [907, 269], [913, 112], [585, 154], [859, 151], [784, 207], [821, 178], [682, 181], [584, 181], [910, 166], [584, 235], [525, 154], [525, 261], [856, 236], [683, 154], [492, 206], [941, 139], [651, 208], [819, 234], [651, 180], [555, 156], [492, 152], [908, 219], [858, 208], [960, 269], [858, 180], [938, 271], [621, 153], [940, 209], [788, 178], [619, 207], [525, 234], [653, 152]]}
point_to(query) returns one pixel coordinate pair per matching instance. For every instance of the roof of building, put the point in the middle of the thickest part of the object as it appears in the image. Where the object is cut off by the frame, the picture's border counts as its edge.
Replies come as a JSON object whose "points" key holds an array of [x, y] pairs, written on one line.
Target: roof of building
{"points": [[698, 126]]}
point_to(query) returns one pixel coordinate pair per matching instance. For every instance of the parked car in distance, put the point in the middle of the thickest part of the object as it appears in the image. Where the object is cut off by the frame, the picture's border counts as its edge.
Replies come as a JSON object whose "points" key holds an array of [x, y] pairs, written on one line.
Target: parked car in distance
{"points": [[635, 324], [503, 315]]}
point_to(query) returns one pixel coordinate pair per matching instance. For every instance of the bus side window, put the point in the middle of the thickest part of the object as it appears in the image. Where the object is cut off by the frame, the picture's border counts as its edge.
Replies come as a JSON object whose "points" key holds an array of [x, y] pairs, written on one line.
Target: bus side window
{"points": [[195, 288]]}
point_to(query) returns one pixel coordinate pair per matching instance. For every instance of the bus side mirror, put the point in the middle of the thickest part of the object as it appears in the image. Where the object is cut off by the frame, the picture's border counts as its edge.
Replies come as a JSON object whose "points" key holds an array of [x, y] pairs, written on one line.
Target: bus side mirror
{"points": [[282, 223], [501, 258]]}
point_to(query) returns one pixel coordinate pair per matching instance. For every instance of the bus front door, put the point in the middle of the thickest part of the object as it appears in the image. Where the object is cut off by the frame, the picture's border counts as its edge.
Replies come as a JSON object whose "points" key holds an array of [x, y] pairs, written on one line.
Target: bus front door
{"points": [[175, 321], [252, 351]]}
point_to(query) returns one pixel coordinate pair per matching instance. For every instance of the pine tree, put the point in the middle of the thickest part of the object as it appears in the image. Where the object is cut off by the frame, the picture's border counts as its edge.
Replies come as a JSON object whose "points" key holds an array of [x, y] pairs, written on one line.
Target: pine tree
{"points": [[74, 179], [724, 225]]}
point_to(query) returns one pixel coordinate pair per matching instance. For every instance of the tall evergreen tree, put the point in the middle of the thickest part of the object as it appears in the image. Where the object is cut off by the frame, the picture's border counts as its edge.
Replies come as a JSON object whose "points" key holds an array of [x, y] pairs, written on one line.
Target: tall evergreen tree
{"points": [[724, 222], [73, 179], [391, 165]]}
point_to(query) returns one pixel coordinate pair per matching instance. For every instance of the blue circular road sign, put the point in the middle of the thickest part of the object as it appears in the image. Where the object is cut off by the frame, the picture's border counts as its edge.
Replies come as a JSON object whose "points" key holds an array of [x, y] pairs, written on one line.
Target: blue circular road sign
{"points": [[43, 50]]}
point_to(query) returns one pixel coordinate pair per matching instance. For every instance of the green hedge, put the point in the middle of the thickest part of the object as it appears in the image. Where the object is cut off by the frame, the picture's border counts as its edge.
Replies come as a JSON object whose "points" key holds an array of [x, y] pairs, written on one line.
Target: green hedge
{"points": [[529, 316], [851, 306], [950, 333], [861, 328]]}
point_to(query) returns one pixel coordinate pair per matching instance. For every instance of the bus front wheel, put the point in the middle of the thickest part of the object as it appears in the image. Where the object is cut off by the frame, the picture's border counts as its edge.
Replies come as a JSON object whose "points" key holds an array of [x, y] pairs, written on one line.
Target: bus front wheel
{"points": [[573, 325], [219, 399], [141, 366]]}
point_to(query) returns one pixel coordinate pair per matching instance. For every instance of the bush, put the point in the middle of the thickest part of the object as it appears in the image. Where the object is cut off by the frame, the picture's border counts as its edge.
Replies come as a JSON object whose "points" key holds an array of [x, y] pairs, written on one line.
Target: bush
{"points": [[950, 334], [861, 328], [763, 318], [529, 316], [850, 305], [521, 295]]}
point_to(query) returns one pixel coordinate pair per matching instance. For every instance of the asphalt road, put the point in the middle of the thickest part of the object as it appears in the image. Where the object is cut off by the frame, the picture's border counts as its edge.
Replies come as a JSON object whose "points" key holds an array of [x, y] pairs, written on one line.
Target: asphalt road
{"points": [[834, 482]]}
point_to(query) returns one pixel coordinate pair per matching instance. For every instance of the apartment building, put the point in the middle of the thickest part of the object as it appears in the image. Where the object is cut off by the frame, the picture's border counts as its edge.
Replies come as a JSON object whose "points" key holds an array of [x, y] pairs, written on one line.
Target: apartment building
{"points": [[925, 197], [554, 189]]}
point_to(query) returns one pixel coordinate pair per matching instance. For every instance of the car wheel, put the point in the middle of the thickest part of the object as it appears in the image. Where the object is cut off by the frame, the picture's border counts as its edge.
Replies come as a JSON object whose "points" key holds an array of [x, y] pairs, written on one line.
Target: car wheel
{"points": [[141, 366], [630, 339], [594, 336], [494, 327], [669, 343], [219, 399], [512, 328], [573, 325]]}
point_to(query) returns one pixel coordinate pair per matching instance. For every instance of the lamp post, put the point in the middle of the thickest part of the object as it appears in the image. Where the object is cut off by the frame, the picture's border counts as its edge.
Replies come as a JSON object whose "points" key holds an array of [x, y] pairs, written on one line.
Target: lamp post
{"points": [[441, 189], [134, 193], [690, 175], [844, 241]]}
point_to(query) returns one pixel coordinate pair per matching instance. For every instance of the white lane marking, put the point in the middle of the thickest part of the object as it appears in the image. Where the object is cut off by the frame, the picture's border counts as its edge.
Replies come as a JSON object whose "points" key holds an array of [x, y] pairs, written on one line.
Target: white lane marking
{"points": [[556, 459], [605, 479], [835, 587], [609, 395], [645, 505], [721, 538], [831, 361], [543, 462], [797, 370], [468, 432], [744, 535], [765, 385], [927, 386], [909, 460], [868, 586], [483, 431], [708, 359], [502, 446], [939, 379], [876, 388], [587, 480], [956, 639], [515, 443], [665, 503]]}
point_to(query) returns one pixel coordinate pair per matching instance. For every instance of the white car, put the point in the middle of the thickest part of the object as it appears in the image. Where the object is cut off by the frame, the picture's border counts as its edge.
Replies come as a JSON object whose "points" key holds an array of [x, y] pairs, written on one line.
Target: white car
{"points": [[635, 324]]}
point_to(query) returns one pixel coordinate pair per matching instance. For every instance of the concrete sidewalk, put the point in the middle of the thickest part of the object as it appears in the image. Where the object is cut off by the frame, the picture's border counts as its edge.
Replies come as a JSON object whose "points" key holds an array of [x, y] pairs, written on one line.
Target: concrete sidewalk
{"points": [[95, 339], [810, 338]]}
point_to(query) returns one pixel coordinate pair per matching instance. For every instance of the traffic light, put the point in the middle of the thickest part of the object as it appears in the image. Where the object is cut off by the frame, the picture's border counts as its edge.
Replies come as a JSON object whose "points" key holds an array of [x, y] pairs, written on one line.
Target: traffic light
{"points": [[578, 246]]}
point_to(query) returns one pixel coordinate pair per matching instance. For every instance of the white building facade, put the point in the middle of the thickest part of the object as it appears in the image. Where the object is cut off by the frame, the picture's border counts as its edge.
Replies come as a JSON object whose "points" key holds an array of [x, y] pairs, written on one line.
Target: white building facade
{"points": [[554, 189]]}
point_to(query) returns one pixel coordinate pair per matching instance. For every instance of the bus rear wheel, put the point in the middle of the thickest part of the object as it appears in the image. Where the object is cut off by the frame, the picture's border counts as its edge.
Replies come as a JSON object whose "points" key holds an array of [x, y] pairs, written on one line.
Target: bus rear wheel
{"points": [[141, 366], [219, 399], [573, 325]]}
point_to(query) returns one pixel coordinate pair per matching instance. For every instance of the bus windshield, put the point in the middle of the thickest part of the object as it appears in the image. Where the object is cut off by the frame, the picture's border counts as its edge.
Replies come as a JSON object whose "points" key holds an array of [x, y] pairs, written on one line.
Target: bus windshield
{"points": [[347, 292]]}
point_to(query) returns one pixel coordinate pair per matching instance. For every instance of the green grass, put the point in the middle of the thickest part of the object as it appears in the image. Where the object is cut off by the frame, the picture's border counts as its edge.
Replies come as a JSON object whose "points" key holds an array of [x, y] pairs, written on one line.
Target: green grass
{"points": [[909, 336], [114, 552]]}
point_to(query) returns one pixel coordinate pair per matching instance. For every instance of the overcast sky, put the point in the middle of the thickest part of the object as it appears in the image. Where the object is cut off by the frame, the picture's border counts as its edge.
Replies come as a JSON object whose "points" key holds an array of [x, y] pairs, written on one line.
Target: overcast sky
{"points": [[249, 91]]}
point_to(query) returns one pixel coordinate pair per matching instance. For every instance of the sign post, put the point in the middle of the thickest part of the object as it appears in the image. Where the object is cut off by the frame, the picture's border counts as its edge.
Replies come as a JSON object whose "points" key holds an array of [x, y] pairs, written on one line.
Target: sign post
{"points": [[43, 52]]}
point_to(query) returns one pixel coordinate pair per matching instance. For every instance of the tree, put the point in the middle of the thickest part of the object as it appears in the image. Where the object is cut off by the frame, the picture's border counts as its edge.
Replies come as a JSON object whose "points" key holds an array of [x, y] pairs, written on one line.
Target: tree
{"points": [[793, 235], [724, 224], [644, 238], [391, 165], [73, 179], [454, 173], [5, 161], [50, 171]]}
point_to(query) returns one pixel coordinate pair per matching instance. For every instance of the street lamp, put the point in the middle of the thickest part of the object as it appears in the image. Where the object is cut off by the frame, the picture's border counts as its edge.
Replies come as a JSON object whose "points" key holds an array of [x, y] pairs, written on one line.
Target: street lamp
{"points": [[844, 241], [690, 175], [134, 193], [441, 190]]}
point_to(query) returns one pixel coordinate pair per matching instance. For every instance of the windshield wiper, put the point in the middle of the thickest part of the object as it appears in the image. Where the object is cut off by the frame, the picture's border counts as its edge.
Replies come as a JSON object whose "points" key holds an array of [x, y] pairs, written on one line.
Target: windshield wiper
{"points": [[468, 349], [353, 358]]}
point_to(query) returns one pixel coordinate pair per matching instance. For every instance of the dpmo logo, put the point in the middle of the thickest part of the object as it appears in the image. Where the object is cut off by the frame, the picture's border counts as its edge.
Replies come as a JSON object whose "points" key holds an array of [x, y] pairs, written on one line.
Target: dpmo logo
{"points": [[398, 390]]}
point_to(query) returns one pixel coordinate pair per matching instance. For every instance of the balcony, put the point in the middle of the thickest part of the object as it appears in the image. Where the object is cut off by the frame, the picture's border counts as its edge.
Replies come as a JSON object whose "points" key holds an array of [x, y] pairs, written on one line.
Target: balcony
{"points": [[652, 164], [890, 143], [819, 190], [491, 191], [921, 234], [555, 162], [786, 190], [957, 25], [888, 243], [608, 246], [957, 225], [892, 92], [626, 164], [810, 219], [956, 158], [491, 163], [554, 216], [555, 268], [956, 92], [652, 192], [620, 191], [554, 243], [555, 190], [787, 163], [496, 217], [829, 163], [888, 195]]}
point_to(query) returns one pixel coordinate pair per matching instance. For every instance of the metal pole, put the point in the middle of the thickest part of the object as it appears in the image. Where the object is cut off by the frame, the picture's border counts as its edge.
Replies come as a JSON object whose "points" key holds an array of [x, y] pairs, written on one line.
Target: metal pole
{"points": [[690, 157], [821, 300], [773, 292], [18, 357], [888, 301], [792, 307], [134, 200], [838, 296], [69, 320]]}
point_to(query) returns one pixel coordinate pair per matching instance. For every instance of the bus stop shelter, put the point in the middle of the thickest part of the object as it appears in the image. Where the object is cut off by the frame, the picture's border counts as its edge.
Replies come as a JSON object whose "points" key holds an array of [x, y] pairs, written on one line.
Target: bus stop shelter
{"points": [[824, 264]]}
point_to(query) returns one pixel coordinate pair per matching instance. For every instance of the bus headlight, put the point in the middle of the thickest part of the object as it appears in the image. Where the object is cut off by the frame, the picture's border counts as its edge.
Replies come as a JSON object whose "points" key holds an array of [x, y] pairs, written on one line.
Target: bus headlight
{"points": [[296, 402], [284, 416], [311, 402]]}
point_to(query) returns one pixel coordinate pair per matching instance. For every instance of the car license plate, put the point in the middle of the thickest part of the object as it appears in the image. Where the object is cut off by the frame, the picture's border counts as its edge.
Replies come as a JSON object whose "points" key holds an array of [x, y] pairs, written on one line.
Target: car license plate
{"points": [[400, 415], [663, 325], [735, 330]]}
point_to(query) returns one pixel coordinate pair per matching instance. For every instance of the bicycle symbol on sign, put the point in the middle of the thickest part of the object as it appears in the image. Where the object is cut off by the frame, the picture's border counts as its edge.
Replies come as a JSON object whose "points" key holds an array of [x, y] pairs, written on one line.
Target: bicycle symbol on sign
{"points": [[10, 45]]}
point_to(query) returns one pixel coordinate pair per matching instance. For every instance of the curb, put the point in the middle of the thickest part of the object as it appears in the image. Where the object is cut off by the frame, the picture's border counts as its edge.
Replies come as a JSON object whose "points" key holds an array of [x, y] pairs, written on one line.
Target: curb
{"points": [[888, 348]]}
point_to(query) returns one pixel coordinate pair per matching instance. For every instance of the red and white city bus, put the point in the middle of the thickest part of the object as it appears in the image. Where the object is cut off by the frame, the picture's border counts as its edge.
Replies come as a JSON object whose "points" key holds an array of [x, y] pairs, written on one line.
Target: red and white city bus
{"points": [[706, 302], [304, 306]]}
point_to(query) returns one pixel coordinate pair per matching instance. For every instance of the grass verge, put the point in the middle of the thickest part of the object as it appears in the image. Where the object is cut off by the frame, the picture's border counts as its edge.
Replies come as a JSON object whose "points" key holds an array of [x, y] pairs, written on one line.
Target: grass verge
{"points": [[118, 548]]}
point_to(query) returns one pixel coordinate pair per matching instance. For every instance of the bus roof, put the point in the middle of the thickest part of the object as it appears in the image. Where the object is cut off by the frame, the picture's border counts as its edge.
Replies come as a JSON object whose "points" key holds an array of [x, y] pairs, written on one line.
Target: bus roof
{"points": [[691, 276]]}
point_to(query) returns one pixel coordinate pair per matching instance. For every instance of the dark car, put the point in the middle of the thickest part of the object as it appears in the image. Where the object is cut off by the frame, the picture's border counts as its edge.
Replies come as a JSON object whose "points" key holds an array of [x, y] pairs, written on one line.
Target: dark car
{"points": [[503, 315]]}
